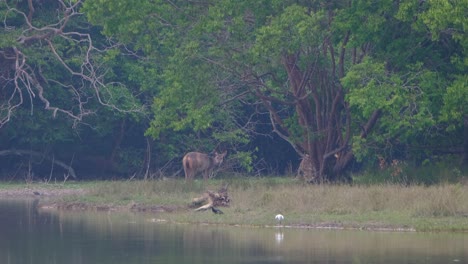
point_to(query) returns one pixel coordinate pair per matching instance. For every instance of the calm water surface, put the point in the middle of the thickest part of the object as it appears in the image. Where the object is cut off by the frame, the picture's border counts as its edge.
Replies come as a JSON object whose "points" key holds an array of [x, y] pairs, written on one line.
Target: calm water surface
{"points": [[31, 236]]}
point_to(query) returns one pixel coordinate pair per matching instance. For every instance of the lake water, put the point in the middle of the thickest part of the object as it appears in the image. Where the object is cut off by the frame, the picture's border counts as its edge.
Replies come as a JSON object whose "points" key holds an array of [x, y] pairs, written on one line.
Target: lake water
{"points": [[29, 236]]}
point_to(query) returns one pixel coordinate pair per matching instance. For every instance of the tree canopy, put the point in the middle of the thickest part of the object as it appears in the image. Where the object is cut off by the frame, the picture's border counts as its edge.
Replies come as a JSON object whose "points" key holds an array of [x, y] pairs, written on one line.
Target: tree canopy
{"points": [[339, 82]]}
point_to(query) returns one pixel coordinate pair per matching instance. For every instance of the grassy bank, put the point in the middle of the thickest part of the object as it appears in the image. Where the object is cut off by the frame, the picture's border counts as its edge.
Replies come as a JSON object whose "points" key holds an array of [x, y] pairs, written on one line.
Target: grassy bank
{"points": [[256, 201]]}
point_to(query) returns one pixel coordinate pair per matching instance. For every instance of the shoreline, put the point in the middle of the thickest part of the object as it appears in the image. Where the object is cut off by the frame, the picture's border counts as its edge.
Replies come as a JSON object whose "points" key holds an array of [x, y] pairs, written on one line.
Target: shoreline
{"points": [[39, 192], [43, 193], [116, 197]]}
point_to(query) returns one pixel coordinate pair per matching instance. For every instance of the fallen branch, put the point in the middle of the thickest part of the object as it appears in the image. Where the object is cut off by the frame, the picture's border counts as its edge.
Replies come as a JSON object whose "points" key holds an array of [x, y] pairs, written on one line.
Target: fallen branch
{"points": [[211, 199]]}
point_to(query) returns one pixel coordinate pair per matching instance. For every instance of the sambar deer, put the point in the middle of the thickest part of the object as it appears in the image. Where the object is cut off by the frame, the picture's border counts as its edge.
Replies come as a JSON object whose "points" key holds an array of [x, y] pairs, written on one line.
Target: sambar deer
{"points": [[195, 162]]}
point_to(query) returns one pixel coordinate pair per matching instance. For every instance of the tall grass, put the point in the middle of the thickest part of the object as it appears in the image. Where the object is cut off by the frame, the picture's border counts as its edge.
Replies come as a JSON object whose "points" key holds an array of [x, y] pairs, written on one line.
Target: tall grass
{"points": [[274, 194], [176, 192], [444, 200], [255, 201]]}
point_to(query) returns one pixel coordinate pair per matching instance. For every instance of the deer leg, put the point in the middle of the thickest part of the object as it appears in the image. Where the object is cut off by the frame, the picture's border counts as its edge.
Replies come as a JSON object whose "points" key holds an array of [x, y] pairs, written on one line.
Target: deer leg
{"points": [[187, 173]]}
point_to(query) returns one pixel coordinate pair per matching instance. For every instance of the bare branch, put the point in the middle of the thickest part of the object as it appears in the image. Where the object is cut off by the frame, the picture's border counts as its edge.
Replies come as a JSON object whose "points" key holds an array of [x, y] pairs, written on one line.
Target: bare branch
{"points": [[22, 77]]}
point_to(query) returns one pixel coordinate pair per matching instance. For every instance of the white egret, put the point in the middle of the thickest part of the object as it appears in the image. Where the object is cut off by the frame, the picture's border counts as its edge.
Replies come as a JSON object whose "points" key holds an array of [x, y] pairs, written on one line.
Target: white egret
{"points": [[279, 218]]}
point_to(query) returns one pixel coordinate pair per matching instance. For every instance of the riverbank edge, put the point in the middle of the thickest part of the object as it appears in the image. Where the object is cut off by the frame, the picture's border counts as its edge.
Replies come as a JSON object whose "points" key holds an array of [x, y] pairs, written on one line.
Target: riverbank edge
{"points": [[49, 199]]}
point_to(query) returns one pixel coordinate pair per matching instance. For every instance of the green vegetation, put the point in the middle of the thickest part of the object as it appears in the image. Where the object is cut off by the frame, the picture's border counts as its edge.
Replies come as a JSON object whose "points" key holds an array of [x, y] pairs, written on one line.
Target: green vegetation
{"points": [[256, 201], [115, 89], [370, 97]]}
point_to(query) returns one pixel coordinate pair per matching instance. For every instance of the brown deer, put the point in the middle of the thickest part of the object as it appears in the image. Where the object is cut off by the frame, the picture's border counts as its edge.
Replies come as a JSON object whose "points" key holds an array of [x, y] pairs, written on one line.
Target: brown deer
{"points": [[195, 162]]}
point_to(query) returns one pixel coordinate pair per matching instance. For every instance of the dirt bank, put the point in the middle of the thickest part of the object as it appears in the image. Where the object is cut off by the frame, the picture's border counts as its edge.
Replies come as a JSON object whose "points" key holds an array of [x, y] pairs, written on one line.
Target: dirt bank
{"points": [[38, 192], [56, 204]]}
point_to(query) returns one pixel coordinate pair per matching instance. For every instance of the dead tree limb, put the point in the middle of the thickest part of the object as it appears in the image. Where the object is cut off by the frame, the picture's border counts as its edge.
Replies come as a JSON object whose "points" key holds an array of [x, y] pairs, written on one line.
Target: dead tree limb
{"points": [[22, 78], [211, 199]]}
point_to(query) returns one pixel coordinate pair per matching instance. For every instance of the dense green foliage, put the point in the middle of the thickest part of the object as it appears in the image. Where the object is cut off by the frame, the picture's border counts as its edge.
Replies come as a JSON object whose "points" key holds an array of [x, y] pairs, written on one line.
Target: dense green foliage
{"points": [[125, 88]]}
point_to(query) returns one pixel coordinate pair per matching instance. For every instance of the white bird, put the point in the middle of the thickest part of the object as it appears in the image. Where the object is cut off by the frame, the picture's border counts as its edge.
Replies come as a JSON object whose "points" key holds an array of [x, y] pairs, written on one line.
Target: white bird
{"points": [[279, 218]]}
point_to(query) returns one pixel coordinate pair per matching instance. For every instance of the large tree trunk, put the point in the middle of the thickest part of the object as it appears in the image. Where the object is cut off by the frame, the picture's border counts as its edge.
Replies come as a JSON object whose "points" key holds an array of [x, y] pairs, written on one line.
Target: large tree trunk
{"points": [[465, 142], [321, 110], [344, 160], [322, 133]]}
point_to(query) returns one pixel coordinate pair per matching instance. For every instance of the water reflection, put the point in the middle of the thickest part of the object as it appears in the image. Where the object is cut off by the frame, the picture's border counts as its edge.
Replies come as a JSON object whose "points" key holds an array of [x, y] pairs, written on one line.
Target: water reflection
{"points": [[279, 236], [32, 236]]}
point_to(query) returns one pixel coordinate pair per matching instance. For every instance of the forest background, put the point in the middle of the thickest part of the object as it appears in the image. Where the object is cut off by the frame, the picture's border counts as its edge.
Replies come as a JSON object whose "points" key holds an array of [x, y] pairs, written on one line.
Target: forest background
{"points": [[123, 89]]}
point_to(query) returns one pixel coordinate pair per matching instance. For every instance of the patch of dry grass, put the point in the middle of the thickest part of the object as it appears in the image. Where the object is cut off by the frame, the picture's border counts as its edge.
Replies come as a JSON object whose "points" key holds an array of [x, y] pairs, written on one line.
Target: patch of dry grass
{"points": [[442, 207], [256, 201], [295, 197], [445, 200]]}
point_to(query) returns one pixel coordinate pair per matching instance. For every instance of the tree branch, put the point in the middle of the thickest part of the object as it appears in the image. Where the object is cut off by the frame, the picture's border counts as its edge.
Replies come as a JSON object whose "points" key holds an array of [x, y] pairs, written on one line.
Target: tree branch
{"points": [[27, 79]]}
